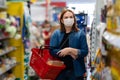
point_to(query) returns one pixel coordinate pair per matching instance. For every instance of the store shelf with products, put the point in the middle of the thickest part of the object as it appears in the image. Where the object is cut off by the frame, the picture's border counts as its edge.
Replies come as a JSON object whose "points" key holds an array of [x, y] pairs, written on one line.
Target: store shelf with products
{"points": [[112, 45], [111, 38], [107, 57], [3, 6], [7, 67], [6, 63], [11, 45], [7, 50], [3, 38], [3, 9], [102, 65], [17, 9]]}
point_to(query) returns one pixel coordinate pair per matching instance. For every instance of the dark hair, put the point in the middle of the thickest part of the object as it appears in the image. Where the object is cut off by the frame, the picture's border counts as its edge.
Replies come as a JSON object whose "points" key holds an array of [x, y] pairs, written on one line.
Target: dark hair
{"points": [[62, 27], [46, 22]]}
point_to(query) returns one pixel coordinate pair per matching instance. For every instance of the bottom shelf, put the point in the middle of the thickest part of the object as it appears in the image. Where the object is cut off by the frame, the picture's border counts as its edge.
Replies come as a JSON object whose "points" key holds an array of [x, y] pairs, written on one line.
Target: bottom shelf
{"points": [[7, 67]]}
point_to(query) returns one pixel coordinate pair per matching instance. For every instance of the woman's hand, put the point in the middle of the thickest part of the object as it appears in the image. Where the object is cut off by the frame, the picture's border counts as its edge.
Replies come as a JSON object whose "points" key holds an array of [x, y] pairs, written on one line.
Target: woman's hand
{"points": [[64, 52], [68, 51]]}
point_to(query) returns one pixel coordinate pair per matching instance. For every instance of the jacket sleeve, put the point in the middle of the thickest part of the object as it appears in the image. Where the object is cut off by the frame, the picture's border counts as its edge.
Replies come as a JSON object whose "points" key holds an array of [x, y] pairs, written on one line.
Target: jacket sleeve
{"points": [[54, 44], [83, 51]]}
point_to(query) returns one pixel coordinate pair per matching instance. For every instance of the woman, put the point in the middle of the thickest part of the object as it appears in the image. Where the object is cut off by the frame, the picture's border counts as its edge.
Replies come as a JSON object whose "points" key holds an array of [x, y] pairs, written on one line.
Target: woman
{"points": [[69, 45], [46, 33]]}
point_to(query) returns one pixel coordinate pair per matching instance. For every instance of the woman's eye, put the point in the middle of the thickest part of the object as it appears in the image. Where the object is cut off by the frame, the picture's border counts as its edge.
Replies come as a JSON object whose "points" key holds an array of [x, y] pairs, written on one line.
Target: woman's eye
{"points": [[68, 17], [71, 16]]}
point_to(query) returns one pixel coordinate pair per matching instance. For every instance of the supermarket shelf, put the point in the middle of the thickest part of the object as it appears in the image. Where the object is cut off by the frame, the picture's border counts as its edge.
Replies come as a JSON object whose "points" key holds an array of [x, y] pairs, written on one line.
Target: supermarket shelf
{"points": [[3, 8], [7, 67], [7, 51], [112, 45], [116, 32], [113, 39], [3, 38]]}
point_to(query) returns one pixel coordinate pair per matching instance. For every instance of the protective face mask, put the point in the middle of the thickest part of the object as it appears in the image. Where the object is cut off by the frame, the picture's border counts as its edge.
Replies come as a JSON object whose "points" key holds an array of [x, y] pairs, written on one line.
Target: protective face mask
{"points": [[47, 29], [68, 22]]}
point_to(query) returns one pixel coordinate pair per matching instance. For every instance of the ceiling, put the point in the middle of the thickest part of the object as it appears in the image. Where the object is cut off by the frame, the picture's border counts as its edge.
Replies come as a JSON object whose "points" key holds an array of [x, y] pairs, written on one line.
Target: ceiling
{"points": [[38, 13], [75, 1]]}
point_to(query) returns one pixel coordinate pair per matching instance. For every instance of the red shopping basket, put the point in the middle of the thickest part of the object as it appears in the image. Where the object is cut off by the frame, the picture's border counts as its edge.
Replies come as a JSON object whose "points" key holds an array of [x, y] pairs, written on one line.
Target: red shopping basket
{"points": [[39, 63]]}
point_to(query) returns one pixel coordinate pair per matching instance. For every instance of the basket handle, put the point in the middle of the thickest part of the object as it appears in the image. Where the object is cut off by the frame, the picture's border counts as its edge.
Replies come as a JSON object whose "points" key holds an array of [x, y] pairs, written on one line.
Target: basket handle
{"points": [[42, 47]]}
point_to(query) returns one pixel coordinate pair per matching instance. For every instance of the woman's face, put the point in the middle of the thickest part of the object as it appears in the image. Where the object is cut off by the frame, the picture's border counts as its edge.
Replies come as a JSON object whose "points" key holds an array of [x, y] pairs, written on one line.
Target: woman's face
{"points": [[47, 25], [68, 19], [68, 15]]}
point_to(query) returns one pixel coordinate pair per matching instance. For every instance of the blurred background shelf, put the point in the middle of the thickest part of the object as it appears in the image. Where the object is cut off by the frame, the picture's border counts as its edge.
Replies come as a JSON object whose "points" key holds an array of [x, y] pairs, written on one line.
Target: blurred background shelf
{"points": [[3, 38], [6, 51], [112, 39], [7, 67]]}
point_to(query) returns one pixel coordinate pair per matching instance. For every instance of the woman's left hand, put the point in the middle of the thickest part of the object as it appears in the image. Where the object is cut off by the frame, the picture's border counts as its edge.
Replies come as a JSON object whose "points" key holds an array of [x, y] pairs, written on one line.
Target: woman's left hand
{"points": [[64, 52], [69, 51]]}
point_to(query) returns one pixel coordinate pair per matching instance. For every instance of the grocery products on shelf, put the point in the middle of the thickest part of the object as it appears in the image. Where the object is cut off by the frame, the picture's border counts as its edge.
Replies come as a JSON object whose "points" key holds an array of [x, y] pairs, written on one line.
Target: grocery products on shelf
{"points": [[10, 36], [108, 53]]}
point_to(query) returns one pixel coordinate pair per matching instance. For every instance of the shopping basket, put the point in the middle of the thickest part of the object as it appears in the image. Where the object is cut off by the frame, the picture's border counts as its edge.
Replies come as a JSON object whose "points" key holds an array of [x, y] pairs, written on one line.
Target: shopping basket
{"points": [[39, 62]]}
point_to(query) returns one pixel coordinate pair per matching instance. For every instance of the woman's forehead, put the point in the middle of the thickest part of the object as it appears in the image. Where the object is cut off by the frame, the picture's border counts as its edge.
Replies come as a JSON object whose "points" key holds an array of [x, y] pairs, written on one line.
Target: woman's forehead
{"points": [[68, 14]]}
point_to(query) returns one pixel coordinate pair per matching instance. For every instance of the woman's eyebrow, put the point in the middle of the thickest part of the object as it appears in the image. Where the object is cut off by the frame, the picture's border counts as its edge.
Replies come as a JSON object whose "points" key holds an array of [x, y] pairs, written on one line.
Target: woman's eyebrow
{"points": [[68, 17]]}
